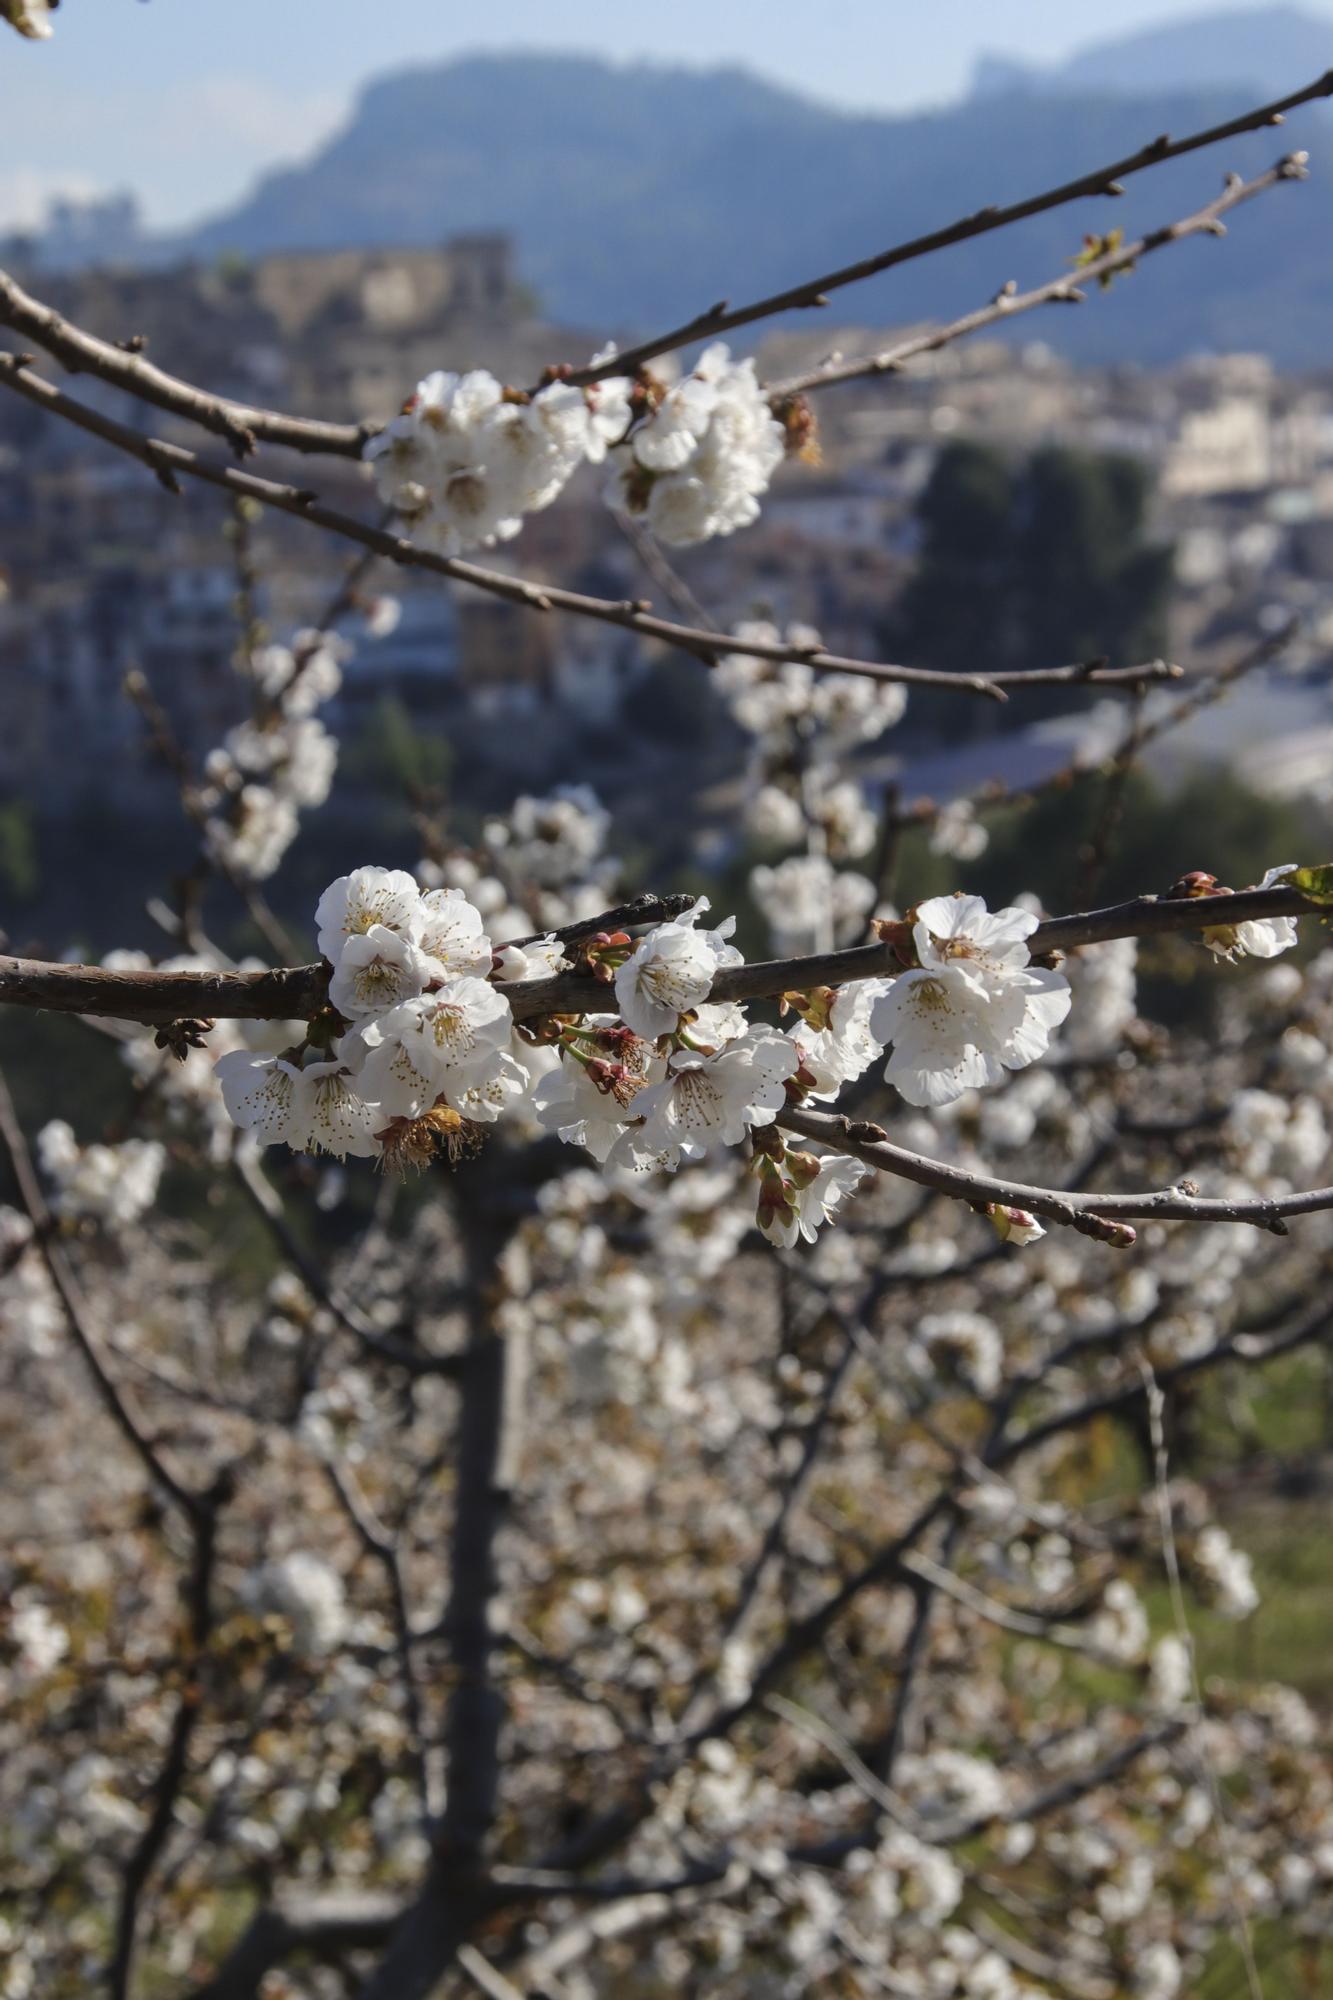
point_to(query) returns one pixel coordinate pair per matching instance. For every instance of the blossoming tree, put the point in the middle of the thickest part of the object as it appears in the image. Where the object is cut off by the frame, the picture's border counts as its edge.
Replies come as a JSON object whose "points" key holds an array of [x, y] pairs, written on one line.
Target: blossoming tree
{"points": [[561, 1590]]}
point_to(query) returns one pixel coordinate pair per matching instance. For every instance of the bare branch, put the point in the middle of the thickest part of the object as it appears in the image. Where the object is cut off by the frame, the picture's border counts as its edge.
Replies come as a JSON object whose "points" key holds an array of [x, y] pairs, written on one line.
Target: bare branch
{"points": [[1084, 1212], [722, 317], [1067, 289], [299, 992], [169, 461], [88, 1342], [241, 426]]}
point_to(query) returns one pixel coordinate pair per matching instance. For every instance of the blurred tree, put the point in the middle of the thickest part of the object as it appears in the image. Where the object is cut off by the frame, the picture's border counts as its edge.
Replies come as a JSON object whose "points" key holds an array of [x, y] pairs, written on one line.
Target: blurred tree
{"points": [[1034, 562], [18, 851]]}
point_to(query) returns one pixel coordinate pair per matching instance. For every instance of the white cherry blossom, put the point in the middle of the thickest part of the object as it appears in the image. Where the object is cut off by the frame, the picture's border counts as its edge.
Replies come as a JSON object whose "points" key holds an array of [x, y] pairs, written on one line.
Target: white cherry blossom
{"points": [[31, 17], [670, 970], [709, 1101], [317, 1108], [355, 903], [808, 1206], [974, 1008], [1257, 937], [377, 969], [845, 1049], [452, 934], [568, 1102], [113, 1184], [540, 959], [445, 1043], [696, 466]]}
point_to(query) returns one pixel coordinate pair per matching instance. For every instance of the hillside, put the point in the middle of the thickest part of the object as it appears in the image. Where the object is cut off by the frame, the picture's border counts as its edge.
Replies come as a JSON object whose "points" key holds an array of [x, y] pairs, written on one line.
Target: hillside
{"points": [[638, 193], [1259, 49]]}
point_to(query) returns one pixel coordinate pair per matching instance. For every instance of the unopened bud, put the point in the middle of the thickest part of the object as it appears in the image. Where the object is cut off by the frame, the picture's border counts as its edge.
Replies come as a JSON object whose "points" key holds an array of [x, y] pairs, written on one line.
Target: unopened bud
{"points": [[767, 1143], [1014, 1225], [1197, 882], [1116, 1235]]}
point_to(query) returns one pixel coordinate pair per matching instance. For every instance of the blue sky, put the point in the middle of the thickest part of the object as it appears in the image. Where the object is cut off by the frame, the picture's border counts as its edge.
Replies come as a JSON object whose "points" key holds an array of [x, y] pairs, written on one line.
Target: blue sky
{"points": [[186, 101]]}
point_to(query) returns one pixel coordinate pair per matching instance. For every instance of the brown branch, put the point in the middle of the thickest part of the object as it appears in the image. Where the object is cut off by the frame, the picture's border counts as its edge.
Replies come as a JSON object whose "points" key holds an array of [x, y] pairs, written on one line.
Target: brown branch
{"points": [[323, 1924], [240, 425], [1204, 693], [1241, 1345], [1067, 289], [1083, 1212], [382, 1547], [46, 1236], [452, 1900], [722, 317], [175, 1763], [298, 992], [1146, 916], [171, 461], [290, 993]]}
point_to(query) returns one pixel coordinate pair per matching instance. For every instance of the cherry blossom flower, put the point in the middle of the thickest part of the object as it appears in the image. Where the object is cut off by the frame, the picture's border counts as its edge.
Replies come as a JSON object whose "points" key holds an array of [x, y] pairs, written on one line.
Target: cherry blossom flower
{"points": [[553, 840], [696, 466], [670, 970], [113, 1184], [467, 459], [355, 903], [31, 17], [453, 935], [1257, 937], [308, 1593], [845, 1049], [1015, 1225], [447, 1042], [315, 1109], [811, 906], [809, 1203], [253, 840], [709, 1101], [568, 1101], [974, 1008], [1227, 1570], [376, 970], [958, 832], [541, 959]]}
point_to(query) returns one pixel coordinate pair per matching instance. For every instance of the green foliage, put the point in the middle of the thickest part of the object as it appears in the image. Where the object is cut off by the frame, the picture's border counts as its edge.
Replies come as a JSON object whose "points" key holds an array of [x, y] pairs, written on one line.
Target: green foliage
{"points": [[1315, 883], [395, 755], [1213, 822], [1034, 562], [19, 871]]}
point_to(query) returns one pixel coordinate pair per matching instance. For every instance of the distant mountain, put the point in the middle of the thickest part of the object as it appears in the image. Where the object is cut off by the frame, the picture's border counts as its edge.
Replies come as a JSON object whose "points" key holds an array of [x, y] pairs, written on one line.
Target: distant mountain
{"points": [[638, 194], [1259, 49]]}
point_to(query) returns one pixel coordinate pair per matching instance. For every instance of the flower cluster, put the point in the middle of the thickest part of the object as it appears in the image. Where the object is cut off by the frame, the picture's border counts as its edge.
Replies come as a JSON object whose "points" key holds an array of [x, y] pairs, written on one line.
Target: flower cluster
{"points": [[973, 1007], [419, 1048], [280, 762], [467, 458], [698, 462], [114, 1185]]}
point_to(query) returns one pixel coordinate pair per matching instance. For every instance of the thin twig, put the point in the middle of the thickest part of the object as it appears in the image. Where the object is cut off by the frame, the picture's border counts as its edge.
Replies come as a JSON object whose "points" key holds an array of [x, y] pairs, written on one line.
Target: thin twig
{"points": [[1156, 1403], [238, 424], [1066, 289], [299, 992], [722, 317]]}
